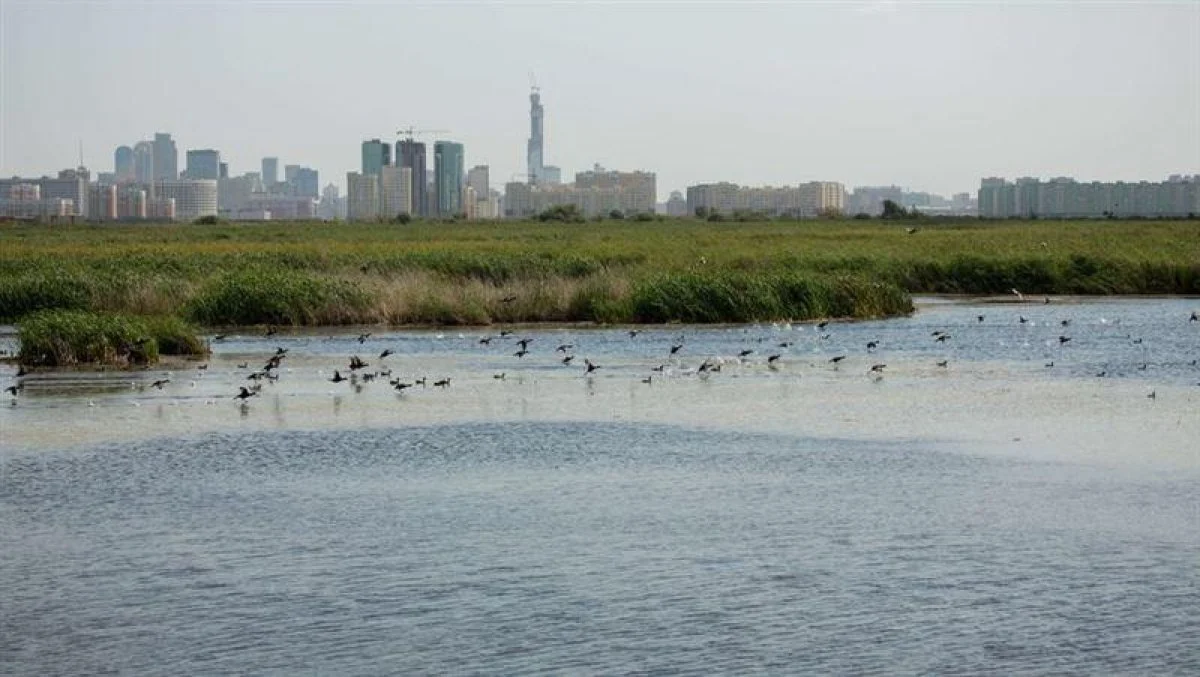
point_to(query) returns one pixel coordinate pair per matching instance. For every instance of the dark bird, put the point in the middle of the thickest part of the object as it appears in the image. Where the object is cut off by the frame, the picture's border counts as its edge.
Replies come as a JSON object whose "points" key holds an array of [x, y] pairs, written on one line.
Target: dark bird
{"points": [[245, 394], [785, 344], [1065, 322], [746, 352], [872, 345], [337, 377], [1195, 317], [979, 317], [676, 348], [256, 376], [524, 343], [280, 351], [486, 340], [505, 332], [508, 299], [943, 363], [160, 383], [219, 337], [1050, 364], [942, 338], [385, 372], [399, 386], [1102, 374], [1137, 341], [705, 367], [1152, 395], [1022, 319], [633, 333], [590, 366], [356, 363], [647, 380], [203, 367], [822, 324], [499, 376], [567, 359], [243, 365], [1063, 339], [271, 330], [442, 383], [386, 352], [21, 371], [772, 359], [878, 368], [1143, 366], [660, 367], [362, 338], [564, 347], [420, 381], [836, 359], [13, 389], [368, 376], [521, 353], [937, 332]]}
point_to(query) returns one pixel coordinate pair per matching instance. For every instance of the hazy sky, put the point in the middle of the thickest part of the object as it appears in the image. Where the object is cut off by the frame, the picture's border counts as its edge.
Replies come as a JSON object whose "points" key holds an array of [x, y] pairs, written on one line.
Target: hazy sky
{"points": [[931, 96]]}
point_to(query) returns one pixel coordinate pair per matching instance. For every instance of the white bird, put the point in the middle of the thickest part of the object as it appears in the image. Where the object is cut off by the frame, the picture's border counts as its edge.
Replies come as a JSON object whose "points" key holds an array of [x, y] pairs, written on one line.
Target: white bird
{"points": [[1019, 295]]}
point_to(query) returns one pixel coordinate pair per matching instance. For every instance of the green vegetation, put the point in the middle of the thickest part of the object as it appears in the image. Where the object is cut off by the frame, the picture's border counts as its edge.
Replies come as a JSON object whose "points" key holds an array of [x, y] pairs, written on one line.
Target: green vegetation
{"points": [[61, 338], [561, 269]]}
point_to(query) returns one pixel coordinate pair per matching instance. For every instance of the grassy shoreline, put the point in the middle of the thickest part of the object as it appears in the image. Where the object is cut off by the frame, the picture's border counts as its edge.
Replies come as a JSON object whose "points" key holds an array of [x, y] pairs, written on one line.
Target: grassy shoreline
{"points": [[681, 270]]}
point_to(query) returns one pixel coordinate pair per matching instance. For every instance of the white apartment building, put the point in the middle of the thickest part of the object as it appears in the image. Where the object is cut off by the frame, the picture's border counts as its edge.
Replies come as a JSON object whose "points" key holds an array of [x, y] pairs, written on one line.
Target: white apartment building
{"points": [[395, 190], [363, 199], [193, 198], [1064, 197], [806, 200]]}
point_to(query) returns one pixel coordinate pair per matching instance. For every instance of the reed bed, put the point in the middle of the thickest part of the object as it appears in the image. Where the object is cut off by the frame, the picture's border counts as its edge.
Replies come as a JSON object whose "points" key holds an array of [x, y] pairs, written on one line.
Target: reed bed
{"points": [[61, 338]]}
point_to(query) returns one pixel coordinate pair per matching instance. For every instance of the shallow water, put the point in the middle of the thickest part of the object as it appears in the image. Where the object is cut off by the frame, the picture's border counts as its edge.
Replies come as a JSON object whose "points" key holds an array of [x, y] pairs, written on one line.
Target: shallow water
{"points": [[994, 516]]}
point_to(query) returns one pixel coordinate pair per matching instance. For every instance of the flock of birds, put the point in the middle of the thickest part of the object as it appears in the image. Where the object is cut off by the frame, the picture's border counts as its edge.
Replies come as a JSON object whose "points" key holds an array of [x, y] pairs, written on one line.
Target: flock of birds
{"points": [[358, 372]]}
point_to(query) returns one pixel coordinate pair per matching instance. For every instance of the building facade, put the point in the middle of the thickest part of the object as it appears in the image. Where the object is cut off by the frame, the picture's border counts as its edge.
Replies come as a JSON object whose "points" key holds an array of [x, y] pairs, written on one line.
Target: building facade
{"points": [[806, 200], [375, 156], [411, 154], [102, 202], [193, 198], [448, 177], [203, 164], [395, 190], [123, 165], [143, 162], [166, 157], [270, 173], [1066, 198], [363, 201]]}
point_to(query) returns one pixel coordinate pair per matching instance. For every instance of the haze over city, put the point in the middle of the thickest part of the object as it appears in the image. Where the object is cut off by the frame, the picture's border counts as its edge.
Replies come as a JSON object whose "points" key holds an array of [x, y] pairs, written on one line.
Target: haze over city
{"points": [[930, 96]]}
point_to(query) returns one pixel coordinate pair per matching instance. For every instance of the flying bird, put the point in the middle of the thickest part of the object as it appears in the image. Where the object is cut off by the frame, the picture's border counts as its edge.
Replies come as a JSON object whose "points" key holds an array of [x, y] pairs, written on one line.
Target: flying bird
{"points": [[1019, 295], [836, 359], [878, 368], [590, 366], [337, 377], [564, 347], [386, 352], [362, 338], [160, 383], [676, 348], [245, 394], [1063, 339]]}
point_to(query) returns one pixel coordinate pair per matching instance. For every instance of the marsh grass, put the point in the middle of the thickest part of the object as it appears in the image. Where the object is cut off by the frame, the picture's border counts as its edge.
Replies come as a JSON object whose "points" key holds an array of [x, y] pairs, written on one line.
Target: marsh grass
{"points": [[60, 338], [614, 271]]}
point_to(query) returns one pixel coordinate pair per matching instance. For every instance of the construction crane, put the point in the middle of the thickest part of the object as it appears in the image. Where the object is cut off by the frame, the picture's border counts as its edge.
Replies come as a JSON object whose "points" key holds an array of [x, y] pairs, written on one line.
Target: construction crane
{"points": [[409, 132]]}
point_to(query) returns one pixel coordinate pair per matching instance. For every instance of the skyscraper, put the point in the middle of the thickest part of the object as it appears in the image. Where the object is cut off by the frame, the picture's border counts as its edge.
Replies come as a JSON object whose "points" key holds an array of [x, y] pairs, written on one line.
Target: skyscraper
{"points": [[448, 177], [304, 182], [533, 150], [203, 164], [375, 156], [123, 164], [143, 162], [477, 178], [270, 172], [166, 157], [411, 154]]}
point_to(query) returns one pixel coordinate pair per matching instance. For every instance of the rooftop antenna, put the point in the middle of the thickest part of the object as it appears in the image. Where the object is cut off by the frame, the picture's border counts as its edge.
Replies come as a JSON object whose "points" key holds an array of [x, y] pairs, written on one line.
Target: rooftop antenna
{"points": [[80, 153], [533, 85]]}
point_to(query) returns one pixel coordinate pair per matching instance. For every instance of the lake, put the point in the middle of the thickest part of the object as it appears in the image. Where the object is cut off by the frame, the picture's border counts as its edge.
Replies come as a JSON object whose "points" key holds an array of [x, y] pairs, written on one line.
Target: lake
{"points": [[1030, 507]]}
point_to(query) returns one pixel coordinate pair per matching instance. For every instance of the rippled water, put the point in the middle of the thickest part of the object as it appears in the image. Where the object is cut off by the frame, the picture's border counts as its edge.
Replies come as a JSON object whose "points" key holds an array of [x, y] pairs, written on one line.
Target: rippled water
{"points": [[994, 516]]}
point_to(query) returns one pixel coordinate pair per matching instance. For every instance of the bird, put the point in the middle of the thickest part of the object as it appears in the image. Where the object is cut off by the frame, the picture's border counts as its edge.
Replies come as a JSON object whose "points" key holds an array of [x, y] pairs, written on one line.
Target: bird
{"points": [[486, 340], [661, 367], [676, 348], [1152, 395], [1102, 373], [1137, 341], [1022, 319], [772, 359], [1063, 339], [160, 383], [508, 299], [872, 345], [271, 330], [521, 353], [746, 352], [442, 383], [499, 377], [943, 363], [937, 332], [911, 231], [1019, 295], [836, 359], [590, 366], [784, 344], [337, 377], [979, 317], [505, 332], [243, 365], [878, 368], [219, 337], [564, 347], [647, 380], [822, 324], [245, 394], [1195, 317], [362, 338], [1065, 322], [1050, 364], [942, 338], [203, 367], [400, 386], [524, 343], [567, 359], [13, 389], [280, 351], [633, 333], [420, 381], [21, 371], [386, 352], [356, 363]]}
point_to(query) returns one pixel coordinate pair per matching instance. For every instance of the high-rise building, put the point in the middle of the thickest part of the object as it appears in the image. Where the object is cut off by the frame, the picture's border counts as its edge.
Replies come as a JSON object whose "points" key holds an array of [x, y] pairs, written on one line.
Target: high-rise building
{"points": [[477, 179], [203, 164], [289, 173], [223, 172], [533, 148], [375, 156], [193, 198], [102, 202], [270, 172], [448, 177], [123, 164], [166, 157], [411, 154], [677, 206], [143, 162], [806, 200], [362, 197], [395, 191], [1064, 197], [304, 182]]}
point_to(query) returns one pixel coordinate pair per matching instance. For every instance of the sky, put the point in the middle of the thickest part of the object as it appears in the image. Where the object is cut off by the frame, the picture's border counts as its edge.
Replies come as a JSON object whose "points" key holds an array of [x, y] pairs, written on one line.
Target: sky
{"points": [[931, 96]]}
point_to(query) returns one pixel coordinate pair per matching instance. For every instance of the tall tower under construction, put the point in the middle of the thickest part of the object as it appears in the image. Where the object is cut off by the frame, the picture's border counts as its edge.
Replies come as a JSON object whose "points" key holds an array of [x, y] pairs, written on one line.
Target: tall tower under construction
{"points": [[533, 153]]}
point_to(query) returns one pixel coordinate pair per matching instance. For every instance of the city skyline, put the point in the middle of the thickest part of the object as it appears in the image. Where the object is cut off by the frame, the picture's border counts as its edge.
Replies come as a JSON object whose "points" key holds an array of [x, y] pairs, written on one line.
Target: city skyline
{"points": [[932, 97]]}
